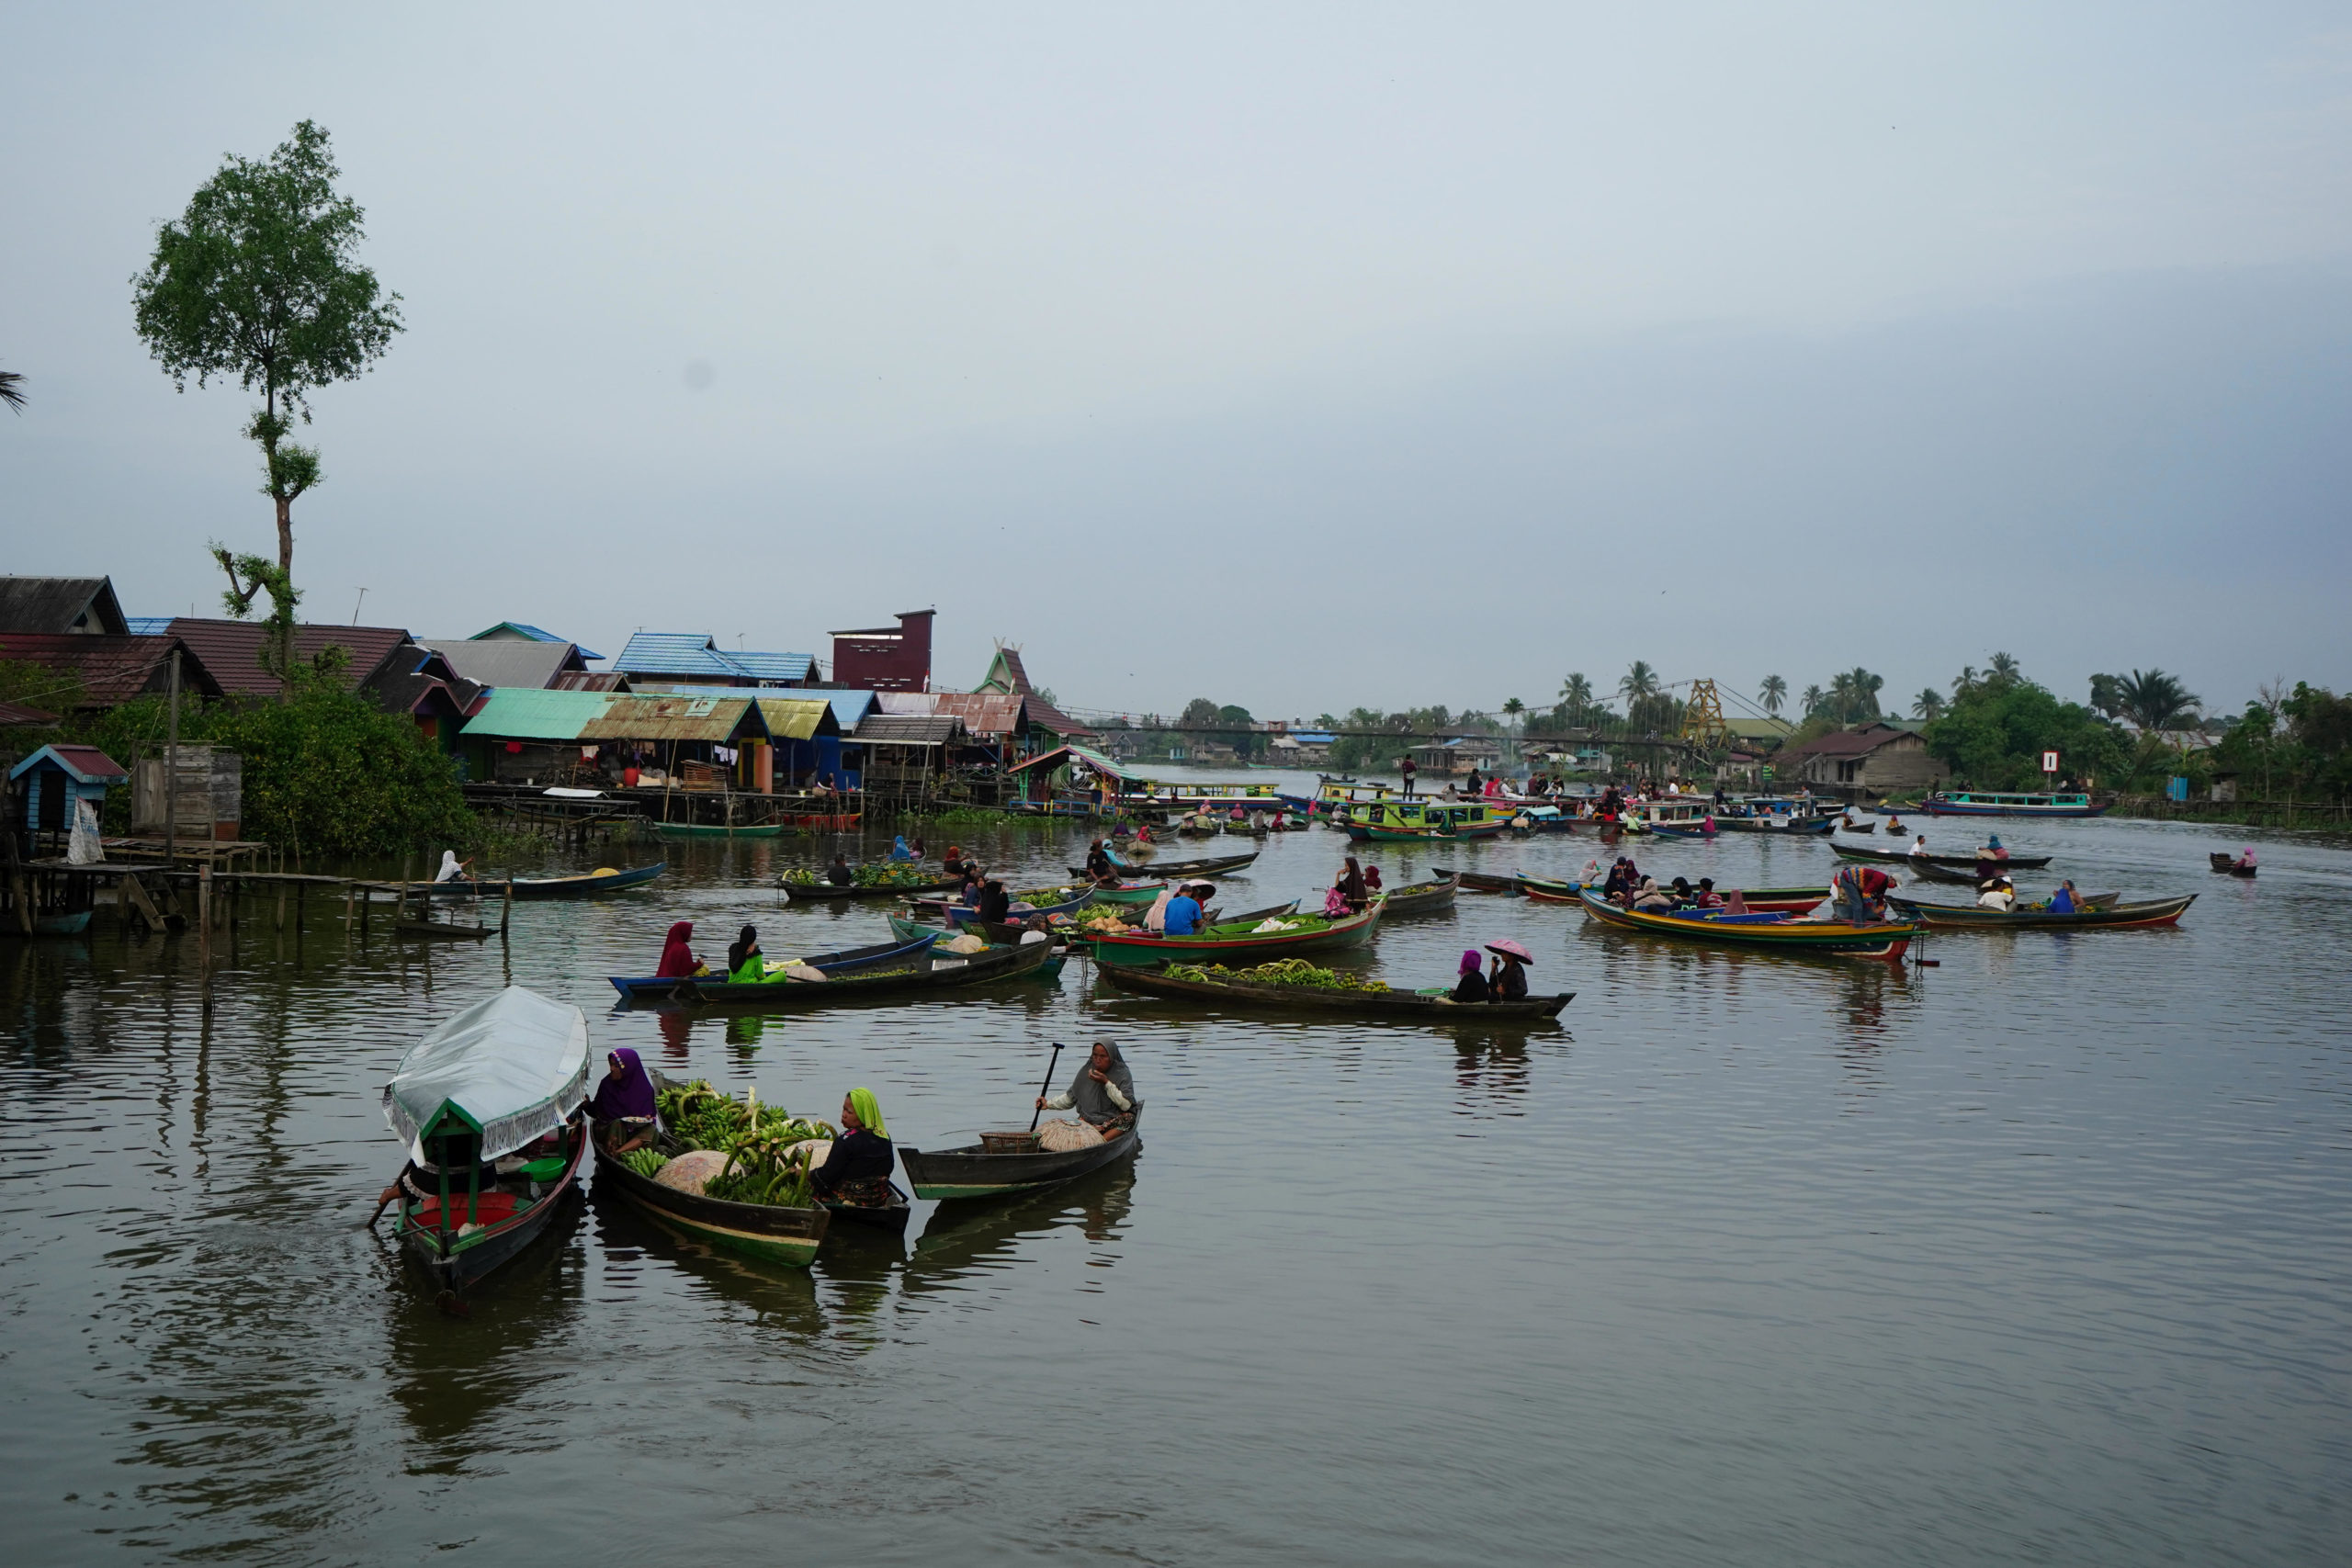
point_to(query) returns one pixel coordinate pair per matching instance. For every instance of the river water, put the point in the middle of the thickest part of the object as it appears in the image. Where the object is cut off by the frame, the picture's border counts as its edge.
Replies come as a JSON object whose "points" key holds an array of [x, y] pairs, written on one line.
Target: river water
{"points": [[2040, 1253]]}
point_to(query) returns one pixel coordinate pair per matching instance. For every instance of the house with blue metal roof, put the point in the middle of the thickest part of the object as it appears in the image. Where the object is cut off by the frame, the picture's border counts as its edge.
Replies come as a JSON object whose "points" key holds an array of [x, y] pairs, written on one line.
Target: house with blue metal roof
{"points": [[523, 631], [655, 660]]}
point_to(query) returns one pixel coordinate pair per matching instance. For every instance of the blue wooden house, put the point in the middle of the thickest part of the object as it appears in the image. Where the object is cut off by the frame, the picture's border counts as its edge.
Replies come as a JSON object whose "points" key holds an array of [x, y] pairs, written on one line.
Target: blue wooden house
{"points": [[48, 783]]}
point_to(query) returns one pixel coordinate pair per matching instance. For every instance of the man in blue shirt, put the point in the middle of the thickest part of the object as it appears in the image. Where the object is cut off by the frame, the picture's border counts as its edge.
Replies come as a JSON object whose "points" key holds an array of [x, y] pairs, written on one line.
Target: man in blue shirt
{"points": [[1183, 913]]}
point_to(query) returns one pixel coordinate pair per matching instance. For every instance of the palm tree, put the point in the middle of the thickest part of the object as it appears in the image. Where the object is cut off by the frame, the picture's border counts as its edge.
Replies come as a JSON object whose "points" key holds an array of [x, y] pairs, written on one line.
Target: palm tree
{"points": [[1928, 705], [1774, 692], [2153, 700], [1639, 682], [1966, 681], [12, 389], [1576, 699], [1815, 700], [1512, 708], [2005, 671], [1861, 693]]}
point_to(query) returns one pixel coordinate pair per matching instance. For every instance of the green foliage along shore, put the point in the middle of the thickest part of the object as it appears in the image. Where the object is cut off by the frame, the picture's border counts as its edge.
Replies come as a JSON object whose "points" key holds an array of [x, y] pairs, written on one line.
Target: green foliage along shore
{"points": [[326, 772]]}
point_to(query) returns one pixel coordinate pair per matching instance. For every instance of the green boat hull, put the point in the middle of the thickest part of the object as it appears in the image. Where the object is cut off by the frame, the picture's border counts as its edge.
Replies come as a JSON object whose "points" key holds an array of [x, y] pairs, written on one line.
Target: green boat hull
{"points": [[699, 831]]}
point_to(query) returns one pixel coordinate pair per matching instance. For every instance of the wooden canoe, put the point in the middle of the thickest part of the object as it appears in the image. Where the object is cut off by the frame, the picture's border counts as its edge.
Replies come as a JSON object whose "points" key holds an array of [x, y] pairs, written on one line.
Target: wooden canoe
{"points": [[1762, 933], [709, 830], [968, 1171], [1759, 900], [1844, 827], [1896, 857], [766, 1231], [919, 973], [1420, 898], [890, 1216], [2117, 916], [833, 890], [457, 1257], [1235, 939], [1476, 881], [1163, 870], [848, 960], [2229, 864], [1417, 1005]]}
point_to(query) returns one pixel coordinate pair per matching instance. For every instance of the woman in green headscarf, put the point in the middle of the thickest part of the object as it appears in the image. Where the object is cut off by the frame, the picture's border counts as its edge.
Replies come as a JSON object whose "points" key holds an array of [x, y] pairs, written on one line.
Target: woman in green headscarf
{"points": [[857, 1171]]}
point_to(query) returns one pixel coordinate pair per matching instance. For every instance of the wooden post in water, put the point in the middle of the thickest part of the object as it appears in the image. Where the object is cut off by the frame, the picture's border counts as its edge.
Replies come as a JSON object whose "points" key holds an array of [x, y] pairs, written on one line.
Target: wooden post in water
{"points": [[171, 770], [204, 920]]}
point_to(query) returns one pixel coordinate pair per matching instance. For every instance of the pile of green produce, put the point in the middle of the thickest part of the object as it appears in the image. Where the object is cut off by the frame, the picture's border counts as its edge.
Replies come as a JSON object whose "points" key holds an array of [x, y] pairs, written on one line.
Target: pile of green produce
{"points": [[889, 874], [1287, 972], [753, 1137], [647, 1162], [758, 1170]]}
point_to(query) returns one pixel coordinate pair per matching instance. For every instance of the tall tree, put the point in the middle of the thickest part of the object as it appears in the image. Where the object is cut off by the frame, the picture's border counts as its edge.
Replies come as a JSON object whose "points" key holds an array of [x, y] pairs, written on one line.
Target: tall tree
{"points": [[1815, 699], [1512, 708], [2153, 700], [2107, 695], [1928, 705], [1774, 692], [2005, 670], [1576, 700], [259, 282], [1639, 682], [1862, 695], [12, 389]]}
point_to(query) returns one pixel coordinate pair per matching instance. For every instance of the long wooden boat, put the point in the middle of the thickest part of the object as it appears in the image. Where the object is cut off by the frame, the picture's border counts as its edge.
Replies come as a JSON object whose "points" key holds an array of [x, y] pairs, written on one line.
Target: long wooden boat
{"points": [[1426, 1007], [1213, 865], [1813, 827], [830, 891], [2002, 803], [1896, 857], [580, 884], [1761, 932], [1419, 898], [848, 960], [710, 830], [1023, 906], [1130, 893], [1759, 900], [1476, 881], [2117, 916], [887, 1216], [2229, 864], [1237, 940], [495, 1079], [968, 1170], [72, 923], [922, 971], [769, 1232], [995, 935]]}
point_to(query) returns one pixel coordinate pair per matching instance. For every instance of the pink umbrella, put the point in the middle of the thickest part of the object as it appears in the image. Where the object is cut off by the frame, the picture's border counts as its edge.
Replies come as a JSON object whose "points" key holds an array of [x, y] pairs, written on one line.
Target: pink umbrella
{"points": [[1511, 949]]}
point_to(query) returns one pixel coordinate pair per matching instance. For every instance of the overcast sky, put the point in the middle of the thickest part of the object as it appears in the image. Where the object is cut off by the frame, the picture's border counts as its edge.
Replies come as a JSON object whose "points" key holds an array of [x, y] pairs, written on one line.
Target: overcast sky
{"points": [[1289, 355]]}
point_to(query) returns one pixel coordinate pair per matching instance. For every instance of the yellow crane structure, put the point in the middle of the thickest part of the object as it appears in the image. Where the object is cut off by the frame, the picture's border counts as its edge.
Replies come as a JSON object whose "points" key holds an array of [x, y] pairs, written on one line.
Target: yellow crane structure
{"points": [[1703, 719]]}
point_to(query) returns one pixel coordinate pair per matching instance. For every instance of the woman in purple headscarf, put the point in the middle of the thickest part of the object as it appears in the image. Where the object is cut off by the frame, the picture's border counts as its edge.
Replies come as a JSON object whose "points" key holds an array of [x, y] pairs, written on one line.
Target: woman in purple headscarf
{"points": [[623, 1107], [1470, 985]]}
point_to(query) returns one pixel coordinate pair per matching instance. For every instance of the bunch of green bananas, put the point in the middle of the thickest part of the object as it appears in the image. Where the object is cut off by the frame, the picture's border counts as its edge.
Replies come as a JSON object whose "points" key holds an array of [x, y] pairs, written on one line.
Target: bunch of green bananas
{"points": [[647, 1162]]}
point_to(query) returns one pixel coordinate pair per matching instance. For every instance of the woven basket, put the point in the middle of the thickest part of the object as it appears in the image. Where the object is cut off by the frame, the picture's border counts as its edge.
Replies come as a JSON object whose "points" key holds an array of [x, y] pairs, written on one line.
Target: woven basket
{"points": [[1009, 1140]]}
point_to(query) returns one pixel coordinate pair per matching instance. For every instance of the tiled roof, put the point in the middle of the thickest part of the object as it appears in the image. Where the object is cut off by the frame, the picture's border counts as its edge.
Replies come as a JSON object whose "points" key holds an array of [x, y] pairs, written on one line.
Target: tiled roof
{"points": [[695, 653], [232, 650], [109, 670], [83, 604], [17, 714], [1847, 743]]}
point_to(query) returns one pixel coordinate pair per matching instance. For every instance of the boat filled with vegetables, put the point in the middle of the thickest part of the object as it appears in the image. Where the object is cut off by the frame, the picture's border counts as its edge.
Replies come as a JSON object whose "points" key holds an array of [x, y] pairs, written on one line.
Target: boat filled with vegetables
{"points": [[1295, 985], [731, 1172]]}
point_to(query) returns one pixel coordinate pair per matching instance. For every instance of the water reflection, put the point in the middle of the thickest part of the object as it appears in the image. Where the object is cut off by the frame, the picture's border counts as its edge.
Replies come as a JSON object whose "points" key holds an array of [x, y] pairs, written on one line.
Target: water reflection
{"points": [[633, 1243], [969, 1236], [451, 1376]]}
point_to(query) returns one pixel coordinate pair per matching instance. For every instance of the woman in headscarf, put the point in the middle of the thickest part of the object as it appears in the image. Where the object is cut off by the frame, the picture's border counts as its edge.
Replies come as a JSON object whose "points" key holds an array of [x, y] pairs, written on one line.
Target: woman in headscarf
{"points": [[1509, 981], [1470, 984], [678, 960], [1103, 1092], [899, 850], [623, 1108], [746, 964], [1351, 887], [857, 1170], [1651, 898], [953, 866], [452, 868]]}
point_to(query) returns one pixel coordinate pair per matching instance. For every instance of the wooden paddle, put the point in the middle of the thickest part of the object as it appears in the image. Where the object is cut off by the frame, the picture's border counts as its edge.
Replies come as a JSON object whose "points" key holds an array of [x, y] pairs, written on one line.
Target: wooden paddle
{"points": [[1046, 1085]]}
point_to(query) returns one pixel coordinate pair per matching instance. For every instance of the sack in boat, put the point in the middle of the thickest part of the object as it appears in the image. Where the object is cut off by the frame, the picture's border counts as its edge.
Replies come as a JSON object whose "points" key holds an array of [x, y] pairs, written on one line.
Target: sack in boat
{"points": [[690, 1171], [1271, 924], [964, 943], [1062, 1138], [803, 971], [815, 1149]]}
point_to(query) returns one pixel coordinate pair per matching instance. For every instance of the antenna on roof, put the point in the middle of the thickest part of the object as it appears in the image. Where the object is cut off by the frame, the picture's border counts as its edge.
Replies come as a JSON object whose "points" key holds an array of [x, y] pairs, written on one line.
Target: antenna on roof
{"points": [[354, 606]]}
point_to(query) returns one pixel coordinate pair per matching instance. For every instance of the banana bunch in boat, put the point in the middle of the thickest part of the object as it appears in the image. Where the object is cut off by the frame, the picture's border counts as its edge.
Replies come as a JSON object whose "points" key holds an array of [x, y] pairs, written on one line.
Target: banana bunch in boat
{"points": [[700, 1117], [1284, 972], [647, 1162], [764, 1168]]}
